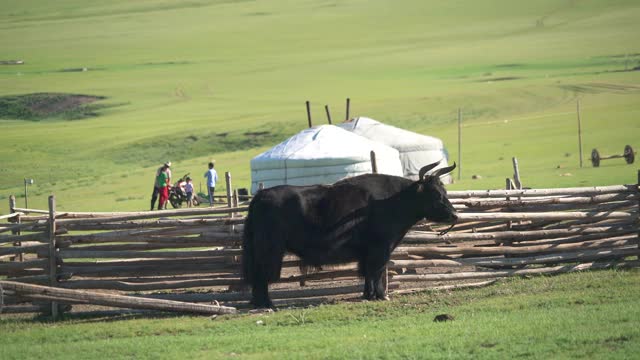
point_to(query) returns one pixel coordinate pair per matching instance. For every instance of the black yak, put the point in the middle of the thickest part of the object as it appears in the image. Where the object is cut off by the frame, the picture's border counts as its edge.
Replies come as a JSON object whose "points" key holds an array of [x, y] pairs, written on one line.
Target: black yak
{"points": [[359, 219]]}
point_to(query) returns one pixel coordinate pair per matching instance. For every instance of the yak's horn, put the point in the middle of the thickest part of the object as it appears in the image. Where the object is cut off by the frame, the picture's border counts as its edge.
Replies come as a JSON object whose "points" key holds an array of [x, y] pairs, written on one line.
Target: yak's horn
{"points": [[427, 168], [445, 170]]}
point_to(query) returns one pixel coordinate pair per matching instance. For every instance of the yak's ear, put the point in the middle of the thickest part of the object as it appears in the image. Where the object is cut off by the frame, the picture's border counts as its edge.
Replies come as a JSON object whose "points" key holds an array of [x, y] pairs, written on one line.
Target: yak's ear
{"points": [[426, 168]]}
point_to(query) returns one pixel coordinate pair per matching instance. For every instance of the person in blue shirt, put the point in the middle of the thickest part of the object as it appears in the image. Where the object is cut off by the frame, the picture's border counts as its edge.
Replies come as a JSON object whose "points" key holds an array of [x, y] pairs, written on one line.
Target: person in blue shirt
{"points": [[212, 178]]}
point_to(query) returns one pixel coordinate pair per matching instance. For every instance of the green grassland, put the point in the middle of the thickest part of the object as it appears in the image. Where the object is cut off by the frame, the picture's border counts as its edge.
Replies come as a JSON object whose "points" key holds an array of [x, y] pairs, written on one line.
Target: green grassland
{"points": [[192, 80], [590, 315]]}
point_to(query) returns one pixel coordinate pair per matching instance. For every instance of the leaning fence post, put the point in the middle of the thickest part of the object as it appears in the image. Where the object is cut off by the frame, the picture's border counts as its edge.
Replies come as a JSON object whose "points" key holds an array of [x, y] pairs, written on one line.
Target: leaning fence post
{"points": [[516, 173], [53, 281], [638, 191], [227, 177]]}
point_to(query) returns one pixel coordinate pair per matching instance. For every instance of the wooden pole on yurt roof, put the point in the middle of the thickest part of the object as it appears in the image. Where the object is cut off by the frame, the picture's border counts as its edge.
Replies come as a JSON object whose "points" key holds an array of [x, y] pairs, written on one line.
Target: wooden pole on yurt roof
{"points": [[348, 105], [309, 113]]}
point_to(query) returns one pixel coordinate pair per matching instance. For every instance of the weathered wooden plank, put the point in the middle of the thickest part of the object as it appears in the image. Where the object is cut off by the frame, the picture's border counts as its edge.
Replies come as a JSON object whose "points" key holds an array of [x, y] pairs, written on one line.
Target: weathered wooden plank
{"points": [[518, 272], [502, 236], [24, 249], [15, 266], [582, 191], [512, 250], [115, 300], [587, 255], [96, 254]]}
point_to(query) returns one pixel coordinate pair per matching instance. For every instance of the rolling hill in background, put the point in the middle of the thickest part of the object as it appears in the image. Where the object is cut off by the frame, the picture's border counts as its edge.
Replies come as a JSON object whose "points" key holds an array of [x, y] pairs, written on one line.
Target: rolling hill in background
{"points": [[95, 95]]}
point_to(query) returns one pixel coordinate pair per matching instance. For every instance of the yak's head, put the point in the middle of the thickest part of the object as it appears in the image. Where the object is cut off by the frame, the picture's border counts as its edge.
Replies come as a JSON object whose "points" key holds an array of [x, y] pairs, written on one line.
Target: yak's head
{"points": [[433, 196]]}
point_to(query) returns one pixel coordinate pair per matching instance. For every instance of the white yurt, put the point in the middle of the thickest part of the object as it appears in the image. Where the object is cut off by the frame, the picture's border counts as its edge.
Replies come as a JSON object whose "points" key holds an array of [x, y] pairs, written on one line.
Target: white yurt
{"points": [[416, 150], [321, 155]]}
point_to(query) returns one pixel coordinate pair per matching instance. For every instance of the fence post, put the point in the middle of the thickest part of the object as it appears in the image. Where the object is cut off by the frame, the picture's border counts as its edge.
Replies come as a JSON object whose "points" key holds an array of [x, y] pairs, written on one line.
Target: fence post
{"points": [[17, 220], [235, 202], [52, 252], [638, 189], [509, 186], [227, 178], [579, 131], [516, 173], [459, 143]]}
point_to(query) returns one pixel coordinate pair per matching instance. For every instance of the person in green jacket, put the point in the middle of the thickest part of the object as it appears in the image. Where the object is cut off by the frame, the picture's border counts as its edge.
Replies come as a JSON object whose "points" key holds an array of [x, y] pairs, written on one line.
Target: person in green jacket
{"points": [[162, 183]]}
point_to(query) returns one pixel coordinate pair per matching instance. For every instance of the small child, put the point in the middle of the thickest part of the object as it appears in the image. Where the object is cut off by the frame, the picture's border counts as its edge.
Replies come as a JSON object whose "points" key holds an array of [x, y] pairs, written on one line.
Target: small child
{"points": [[188, 188]]}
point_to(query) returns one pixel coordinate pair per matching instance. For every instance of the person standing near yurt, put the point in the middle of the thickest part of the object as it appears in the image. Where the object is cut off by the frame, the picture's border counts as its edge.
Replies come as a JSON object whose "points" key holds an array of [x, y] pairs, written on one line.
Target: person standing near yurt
{"points": [[162, 183], [212, 178], [154, 195]]}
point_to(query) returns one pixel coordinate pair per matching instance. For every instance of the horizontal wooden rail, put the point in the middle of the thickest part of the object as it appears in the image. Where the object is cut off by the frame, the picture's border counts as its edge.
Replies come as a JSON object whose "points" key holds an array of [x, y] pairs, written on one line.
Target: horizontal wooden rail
{"points": [[39, 237], [501, 236], [96, 254], [148, 215], [129, 302], [555, 258], [582, 191], [513, 250], [16, 266], [518, 272], [10, 216], [583, 200], [546, 216], [24, 249]]}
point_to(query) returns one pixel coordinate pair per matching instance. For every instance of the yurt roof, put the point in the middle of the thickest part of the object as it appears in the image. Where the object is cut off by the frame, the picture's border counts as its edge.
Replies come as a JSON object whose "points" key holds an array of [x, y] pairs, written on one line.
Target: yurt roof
{"points": [[321, 155], [400, 139], [324, 144]]}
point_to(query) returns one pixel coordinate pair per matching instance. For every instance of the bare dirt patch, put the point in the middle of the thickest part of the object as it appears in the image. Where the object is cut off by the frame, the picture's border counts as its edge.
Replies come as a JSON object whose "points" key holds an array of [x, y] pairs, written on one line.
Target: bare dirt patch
{"points": [[44, 106]]}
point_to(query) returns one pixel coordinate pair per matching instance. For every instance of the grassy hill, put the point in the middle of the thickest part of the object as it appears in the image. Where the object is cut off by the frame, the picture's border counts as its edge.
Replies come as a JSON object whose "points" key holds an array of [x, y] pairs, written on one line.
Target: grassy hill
{"points": [[193, 80]]}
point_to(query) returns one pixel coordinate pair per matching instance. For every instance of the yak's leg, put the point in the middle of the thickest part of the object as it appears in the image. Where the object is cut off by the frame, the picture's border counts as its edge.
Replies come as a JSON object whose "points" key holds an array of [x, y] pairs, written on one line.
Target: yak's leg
{"points": [[266, 273], [379, 288], [260, 294], [368, 293], [266, 268], [373, 271]]}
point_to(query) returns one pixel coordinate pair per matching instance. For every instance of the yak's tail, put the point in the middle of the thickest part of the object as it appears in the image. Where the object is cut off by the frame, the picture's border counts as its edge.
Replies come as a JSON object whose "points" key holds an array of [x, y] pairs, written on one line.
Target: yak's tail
{"points": [[248, 253], [262, 246]]}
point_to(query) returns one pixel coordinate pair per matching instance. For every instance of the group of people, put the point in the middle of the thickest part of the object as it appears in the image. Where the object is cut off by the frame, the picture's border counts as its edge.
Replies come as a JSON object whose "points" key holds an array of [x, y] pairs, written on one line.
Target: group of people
{"points": [[162, 185]]}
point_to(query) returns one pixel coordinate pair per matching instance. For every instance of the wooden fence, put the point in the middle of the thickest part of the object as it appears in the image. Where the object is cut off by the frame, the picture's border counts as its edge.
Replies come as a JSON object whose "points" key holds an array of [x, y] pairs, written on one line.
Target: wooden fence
{"points": [[194, 254]]}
